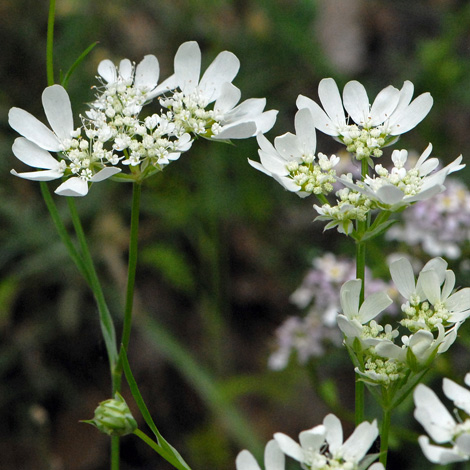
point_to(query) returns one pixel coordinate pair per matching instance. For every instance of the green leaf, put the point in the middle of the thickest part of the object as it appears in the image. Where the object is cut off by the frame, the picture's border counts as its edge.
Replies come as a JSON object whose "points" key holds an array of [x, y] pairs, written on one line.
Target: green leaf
{"points": [[167, 451], [82, 56]]}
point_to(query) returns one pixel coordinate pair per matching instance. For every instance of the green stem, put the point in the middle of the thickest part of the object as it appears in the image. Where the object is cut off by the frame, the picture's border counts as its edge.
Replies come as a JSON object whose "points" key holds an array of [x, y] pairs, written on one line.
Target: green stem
{"points": [[50, 44], [115, 453], [361, 274], [106, 321], [126, 331], [384, 433]]}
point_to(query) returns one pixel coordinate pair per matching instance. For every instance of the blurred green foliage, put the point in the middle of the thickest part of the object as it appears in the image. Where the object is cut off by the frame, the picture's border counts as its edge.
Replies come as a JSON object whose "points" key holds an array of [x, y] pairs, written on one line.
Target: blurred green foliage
{"points": [[222, 246]]}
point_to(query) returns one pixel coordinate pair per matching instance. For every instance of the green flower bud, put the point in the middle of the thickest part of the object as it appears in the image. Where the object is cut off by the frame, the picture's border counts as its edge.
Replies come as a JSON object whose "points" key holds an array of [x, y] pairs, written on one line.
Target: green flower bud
{"points": [[113, 417]]}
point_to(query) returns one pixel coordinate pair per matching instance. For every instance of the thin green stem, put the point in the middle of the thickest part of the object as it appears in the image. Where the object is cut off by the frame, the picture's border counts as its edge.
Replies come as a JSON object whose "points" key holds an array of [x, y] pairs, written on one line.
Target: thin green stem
{"points": [[50, 44], [115, 457], [106, 321], [361, 274], [134, 231], [384, 433]]}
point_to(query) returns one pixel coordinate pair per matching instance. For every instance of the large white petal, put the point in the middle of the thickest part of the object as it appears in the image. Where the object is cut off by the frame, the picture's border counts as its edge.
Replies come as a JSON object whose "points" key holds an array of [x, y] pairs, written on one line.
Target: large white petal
{"points": [[247, 110], [373, 305], [459, 301], [229, 97], [313, 439], [105, 173], [390, 194], [265, 121], [321, 120], [350, 328], [384, 105], [34, 130], [188, 66], [437, 454], [463, 444], [331, 100], [259, 167], [241, 130], [334, 432], [74, 186], [107, 70], [147, 72], [406, 93], [360, 441], [289, 446], [223, 69], [273, 162], [246, 461], [433, 415], [431, 286], [46, 175], [58, 109], [305, 131], [412, 115], [356, 101], [288, 147], [126, 69], [350, 293], [274, 459], [403, 277], [33, 155], [449, 285], [458, 394]]}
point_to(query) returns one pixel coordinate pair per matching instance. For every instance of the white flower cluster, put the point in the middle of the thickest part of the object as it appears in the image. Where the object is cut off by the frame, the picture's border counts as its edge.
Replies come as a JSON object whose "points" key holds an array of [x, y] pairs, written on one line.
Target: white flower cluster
{"points": [[442, 426], [320, 448], [433, 313], [113, 133], [292, 161]]}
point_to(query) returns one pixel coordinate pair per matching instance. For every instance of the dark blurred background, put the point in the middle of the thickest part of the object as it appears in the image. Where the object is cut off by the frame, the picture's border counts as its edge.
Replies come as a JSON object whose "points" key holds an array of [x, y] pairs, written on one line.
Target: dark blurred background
{"points": [[222, 246]]}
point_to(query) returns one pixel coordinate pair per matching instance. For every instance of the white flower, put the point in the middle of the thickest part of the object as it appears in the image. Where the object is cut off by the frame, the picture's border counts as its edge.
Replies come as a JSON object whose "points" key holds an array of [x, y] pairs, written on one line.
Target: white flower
{"points": [[392, 109], [33, 148], [441, 425], [189, 106], [400, 188], [187, 64], [274, 459], [323, 447], [451, 306], [354, 317], [419, 349], [429, 306], [403, 276], [292, 161]]}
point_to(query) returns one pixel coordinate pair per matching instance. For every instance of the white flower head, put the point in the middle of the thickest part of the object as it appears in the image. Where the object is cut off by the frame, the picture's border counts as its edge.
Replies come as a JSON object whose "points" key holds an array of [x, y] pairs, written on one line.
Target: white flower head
{"points": [[429, 305], [189, 105], [441, 425], [400, 187], [292, 162], [323, 446], [353, 318], [33, 149], [391, 114]]}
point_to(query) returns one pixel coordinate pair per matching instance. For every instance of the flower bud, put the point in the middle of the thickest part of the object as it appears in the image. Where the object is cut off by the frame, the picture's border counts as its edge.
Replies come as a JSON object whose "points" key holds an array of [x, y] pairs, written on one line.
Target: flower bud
{"points": [[113, 417]]}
